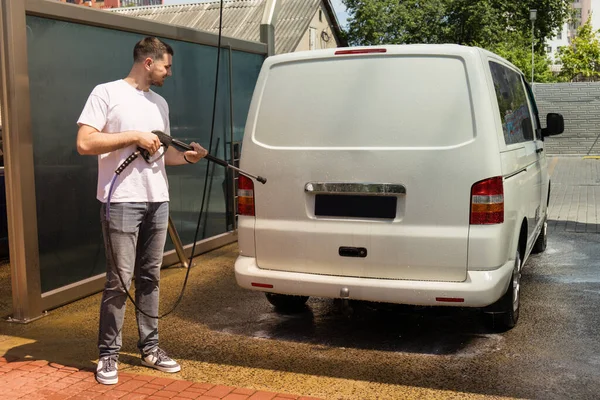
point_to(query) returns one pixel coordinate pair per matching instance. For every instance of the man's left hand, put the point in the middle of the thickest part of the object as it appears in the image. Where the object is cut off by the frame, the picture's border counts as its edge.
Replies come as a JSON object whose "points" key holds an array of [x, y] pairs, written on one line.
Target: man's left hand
{"points": [[197, 154]]}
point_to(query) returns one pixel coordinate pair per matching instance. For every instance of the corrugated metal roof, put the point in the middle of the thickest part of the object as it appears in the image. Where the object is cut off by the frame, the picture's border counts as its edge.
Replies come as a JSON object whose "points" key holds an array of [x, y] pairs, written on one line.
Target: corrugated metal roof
{"points": [[241, 18]]}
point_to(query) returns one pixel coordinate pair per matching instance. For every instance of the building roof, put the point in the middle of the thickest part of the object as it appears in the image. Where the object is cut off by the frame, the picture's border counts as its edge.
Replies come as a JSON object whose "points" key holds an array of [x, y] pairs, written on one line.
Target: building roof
{"points": [[242, 18]]}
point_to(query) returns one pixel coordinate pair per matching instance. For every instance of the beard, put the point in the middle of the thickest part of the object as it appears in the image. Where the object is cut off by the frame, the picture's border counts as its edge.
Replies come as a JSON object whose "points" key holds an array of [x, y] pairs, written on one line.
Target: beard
{"points": [[158, 82]]}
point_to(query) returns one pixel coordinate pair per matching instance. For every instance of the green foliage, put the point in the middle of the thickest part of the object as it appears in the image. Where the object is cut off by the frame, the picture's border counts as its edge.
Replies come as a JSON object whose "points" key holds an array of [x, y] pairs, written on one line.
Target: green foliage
{"points": [[465, 22], [473, 22], [582, 58]]}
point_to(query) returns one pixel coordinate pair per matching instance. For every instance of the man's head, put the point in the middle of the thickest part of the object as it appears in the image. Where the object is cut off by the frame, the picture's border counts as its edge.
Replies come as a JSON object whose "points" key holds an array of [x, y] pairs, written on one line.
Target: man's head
{"points": [[155, 57]]}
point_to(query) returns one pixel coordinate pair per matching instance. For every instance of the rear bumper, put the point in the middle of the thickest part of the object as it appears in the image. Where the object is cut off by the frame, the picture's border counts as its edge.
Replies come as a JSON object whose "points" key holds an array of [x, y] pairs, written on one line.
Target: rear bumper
{"points": [[481, 288]]}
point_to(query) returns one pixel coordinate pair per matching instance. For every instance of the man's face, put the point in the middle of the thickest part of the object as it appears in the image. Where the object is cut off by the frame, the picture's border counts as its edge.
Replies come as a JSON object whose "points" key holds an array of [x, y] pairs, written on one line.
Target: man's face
{"points": [[159, 69]]}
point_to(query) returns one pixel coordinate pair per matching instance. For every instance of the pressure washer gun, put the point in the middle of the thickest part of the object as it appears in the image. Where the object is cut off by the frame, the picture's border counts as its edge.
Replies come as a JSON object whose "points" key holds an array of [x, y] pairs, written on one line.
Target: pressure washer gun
{"points": [[167, 141]]}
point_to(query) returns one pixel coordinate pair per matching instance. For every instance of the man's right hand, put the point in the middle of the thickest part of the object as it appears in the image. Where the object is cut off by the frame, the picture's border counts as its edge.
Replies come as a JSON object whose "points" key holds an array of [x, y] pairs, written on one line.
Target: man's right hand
{"points": [[90, 141], [148, 141]]}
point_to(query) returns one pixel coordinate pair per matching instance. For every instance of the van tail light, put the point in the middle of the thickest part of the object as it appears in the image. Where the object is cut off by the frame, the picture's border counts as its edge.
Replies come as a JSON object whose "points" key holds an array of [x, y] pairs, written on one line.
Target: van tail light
{"points": [[245, 196], [487, 202], [359, 51]]}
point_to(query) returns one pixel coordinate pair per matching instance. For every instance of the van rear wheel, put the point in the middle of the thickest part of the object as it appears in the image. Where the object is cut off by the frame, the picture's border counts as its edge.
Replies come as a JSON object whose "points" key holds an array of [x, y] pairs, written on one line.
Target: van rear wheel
{"points": [[504, 314], [287, 302]]}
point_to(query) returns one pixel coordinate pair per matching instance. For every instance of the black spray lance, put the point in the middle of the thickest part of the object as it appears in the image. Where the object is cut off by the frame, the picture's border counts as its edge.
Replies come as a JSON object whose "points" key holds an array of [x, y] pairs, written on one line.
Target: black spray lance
{"points": [[167, 141]]}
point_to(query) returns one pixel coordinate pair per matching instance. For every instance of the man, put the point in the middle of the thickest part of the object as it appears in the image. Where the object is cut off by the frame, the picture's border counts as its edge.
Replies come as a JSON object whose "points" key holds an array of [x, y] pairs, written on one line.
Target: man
{"points": [[118, 117]]}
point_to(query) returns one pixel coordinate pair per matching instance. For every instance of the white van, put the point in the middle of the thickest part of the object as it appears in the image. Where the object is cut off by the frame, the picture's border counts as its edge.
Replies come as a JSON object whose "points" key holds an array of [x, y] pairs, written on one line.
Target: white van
{"points": [[410, 174]]}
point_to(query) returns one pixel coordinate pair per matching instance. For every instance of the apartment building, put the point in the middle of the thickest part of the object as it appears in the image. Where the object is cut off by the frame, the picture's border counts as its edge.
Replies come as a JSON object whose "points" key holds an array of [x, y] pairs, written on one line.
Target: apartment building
{"points": [[584, 10]]}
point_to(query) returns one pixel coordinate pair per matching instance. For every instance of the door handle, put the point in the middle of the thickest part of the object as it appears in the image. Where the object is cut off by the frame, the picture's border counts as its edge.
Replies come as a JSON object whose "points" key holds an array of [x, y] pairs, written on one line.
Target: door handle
{"points": [[539, 150]]}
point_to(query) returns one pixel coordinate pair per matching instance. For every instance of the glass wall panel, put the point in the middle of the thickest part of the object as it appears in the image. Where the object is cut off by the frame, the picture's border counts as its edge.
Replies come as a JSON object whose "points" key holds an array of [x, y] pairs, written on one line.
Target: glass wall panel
{"points": [[191, 107], [66, 61]]}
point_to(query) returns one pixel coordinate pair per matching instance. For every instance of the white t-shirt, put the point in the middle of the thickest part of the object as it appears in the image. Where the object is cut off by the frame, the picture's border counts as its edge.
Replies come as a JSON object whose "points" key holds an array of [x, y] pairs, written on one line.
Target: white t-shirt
{"points": [[117, 107]]}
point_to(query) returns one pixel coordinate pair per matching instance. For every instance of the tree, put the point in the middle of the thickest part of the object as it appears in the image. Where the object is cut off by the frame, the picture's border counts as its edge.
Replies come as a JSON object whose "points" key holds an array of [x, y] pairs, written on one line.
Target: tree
{"points": [[474, 22], [396, 22], [517, 49], [468, 22], [582, 57]]}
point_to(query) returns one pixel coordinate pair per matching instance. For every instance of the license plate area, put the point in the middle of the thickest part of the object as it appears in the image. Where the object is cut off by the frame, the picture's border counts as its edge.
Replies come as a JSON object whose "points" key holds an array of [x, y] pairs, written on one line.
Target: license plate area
{"points": [[353, 206]]}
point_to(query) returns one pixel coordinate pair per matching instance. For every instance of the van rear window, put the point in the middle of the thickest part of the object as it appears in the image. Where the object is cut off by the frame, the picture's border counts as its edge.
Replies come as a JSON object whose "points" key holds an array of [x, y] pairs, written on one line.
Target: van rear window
{"points": [[391, 101]]}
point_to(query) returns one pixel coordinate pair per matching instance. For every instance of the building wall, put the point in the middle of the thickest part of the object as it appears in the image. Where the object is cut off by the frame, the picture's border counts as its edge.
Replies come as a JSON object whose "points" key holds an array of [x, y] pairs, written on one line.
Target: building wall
{"points": [[131, 3], [89, 3], [595, 15], [321, 30], [561, 39], [114, 3], [586, 10], [579, 103]]}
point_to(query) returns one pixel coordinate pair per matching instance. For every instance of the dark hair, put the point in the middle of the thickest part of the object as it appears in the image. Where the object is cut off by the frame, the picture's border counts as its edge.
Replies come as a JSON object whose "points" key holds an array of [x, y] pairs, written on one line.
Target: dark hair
{"points": [[151, 47]]}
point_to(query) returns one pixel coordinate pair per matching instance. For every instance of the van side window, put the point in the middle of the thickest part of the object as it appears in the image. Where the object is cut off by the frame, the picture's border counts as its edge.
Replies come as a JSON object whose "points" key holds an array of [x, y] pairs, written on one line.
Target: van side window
{"points": [[512, 104]]}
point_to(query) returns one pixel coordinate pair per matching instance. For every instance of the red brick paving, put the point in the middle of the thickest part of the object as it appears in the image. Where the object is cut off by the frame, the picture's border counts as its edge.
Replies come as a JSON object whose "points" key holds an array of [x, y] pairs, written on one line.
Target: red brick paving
{"points": [[43, 380]]}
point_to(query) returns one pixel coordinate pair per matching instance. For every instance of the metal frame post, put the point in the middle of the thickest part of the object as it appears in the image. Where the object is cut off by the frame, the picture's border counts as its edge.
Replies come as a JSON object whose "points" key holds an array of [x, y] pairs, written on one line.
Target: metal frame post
{"points": [[19, 170], [177, 243], [267, 25], [231, 174]]}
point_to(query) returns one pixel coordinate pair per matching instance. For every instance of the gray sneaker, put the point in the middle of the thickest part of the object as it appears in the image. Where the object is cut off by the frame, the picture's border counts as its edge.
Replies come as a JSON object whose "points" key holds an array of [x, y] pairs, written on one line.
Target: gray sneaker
{"points": [[159, 359], [107, 370]]}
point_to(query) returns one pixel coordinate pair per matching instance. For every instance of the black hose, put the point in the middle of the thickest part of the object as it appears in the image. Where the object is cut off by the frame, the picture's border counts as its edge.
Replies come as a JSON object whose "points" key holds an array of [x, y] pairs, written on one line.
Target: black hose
{"points": [[212, 131], [135, 155]]}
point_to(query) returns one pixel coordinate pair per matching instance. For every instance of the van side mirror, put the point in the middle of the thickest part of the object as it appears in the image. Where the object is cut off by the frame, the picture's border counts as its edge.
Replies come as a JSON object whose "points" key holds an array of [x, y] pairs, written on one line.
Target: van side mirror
{"points": [[555, 125]]}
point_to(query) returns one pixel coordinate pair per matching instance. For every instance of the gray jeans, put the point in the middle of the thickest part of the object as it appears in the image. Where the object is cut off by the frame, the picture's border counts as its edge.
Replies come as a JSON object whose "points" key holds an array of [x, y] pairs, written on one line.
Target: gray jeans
{"points": [[138, 232]]}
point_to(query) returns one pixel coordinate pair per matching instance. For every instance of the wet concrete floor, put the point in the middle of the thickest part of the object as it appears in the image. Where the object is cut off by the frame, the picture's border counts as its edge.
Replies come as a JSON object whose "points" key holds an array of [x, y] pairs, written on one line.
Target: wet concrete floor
{"points": [[223, 334], [226, 335]]}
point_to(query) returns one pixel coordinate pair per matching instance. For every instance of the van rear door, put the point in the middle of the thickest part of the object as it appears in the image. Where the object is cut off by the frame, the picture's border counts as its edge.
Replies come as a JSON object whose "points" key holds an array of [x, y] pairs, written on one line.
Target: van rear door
{"points": [[370, 160]]}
